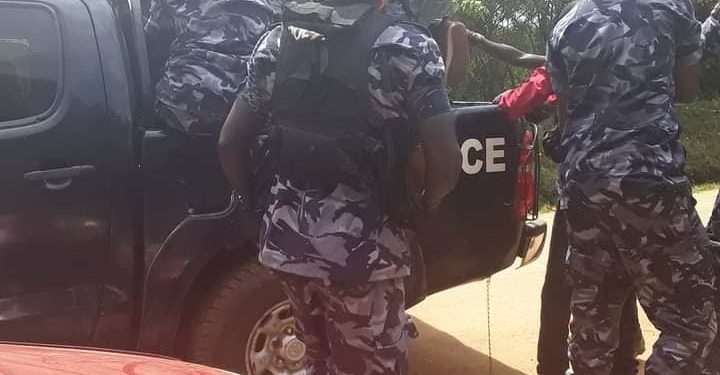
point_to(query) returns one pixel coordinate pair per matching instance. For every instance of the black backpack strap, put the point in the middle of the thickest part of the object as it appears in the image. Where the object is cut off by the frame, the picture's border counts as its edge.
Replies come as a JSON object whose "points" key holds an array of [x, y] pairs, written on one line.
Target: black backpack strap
{"points": [[349, 55], [321, 101]]}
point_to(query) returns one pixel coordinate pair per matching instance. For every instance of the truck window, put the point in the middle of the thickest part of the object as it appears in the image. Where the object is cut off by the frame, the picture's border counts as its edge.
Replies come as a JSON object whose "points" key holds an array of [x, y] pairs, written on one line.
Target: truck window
{"points": [[29, 62]]}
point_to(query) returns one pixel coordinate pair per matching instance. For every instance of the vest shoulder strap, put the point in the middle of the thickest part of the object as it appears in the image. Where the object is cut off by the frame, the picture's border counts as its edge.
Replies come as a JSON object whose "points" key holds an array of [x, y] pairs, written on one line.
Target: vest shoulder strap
{"points": [[349, 54]]}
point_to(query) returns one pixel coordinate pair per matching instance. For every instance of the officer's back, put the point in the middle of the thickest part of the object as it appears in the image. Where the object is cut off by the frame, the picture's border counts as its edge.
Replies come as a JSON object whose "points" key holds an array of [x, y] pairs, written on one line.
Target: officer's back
{"points": [[405, 80]]}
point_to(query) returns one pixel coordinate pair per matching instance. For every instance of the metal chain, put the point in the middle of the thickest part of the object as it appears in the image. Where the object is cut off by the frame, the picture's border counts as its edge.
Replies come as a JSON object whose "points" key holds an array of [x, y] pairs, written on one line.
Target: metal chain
{"points": [[490, 355]]}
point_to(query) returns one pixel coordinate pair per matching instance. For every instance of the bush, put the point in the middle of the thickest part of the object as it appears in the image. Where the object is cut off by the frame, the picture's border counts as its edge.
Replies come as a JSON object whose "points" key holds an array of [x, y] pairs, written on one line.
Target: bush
{"points": [[701, 137], [700, 124]]}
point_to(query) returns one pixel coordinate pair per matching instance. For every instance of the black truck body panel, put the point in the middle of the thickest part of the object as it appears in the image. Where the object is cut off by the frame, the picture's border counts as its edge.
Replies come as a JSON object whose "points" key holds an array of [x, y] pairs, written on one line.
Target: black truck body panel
{"points": [[474, 233], [57, 231]]}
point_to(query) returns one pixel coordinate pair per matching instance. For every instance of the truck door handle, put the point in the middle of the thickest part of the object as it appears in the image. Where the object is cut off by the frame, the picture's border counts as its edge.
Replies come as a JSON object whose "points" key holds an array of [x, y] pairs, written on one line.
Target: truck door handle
{"points": [[59, 178]]}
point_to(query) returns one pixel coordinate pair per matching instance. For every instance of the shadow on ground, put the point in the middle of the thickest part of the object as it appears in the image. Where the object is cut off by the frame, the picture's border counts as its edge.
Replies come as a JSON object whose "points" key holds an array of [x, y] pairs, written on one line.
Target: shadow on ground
{"points": [[438, 353]]}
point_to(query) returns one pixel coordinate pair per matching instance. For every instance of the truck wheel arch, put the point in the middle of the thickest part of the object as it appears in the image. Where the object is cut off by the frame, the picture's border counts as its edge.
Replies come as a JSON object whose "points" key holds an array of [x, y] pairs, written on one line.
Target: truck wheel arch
{"points": [[186, 258]]}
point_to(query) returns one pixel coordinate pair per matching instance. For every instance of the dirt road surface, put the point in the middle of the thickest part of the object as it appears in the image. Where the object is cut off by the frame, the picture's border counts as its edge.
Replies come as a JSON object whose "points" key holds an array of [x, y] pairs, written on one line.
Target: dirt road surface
{"points": [[453, 324]]}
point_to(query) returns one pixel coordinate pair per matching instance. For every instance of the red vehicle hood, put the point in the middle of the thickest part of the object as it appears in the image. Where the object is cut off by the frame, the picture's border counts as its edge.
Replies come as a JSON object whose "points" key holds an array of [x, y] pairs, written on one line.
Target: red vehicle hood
{"points": [[47, 360]]}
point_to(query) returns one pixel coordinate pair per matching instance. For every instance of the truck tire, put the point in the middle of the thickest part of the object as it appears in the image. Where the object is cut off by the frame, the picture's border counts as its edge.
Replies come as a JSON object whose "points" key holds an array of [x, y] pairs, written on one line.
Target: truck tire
{"points": [[245, 324]]}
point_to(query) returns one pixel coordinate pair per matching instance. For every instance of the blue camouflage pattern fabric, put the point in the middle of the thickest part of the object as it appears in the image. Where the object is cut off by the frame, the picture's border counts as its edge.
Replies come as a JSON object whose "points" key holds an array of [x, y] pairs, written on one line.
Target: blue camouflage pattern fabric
{"points": [[711, 33], [208, 44], [339, 233], [341, 259], [714, 223], [341, 328], [614, 60], [657, 246], [711, 38], [631, 216]]}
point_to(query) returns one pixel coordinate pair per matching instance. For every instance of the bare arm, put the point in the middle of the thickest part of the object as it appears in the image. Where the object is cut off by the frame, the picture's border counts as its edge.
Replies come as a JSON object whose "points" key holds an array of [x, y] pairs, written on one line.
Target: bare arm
{"points": [[234, 145], [442, 158], [506, 53], [248, 114], [687, 81]]}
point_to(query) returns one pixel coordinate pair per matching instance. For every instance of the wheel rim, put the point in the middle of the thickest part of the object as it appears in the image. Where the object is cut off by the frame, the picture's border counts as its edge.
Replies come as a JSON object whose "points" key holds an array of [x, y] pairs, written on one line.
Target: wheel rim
{"points": [[273, 347]]}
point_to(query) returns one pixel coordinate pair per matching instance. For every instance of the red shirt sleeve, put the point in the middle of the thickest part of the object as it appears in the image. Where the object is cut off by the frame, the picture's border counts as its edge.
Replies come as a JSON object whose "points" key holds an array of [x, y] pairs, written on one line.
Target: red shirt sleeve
{"points": [[536, 90]]}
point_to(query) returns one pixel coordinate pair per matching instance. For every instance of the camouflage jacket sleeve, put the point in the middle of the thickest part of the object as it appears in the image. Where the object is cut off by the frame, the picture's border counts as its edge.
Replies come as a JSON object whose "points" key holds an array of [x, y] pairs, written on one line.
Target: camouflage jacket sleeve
{"points": [[711, 36], [689, 43], [407, 75], [159, 34], [160, 19], [555, 64], [261, 72]]}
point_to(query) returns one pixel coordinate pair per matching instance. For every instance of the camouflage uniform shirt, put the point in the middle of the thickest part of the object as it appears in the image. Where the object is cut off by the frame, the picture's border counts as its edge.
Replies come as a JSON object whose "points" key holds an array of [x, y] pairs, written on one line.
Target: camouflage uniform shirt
{"points": [[613, 61], [210, 42], [341, 234], [711, 36]]}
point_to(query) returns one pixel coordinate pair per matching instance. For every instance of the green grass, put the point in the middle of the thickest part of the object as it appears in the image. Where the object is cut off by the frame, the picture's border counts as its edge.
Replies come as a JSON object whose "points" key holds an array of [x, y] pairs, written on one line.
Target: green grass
{"points": [[701, 137], [706, 186], [700, 123]]}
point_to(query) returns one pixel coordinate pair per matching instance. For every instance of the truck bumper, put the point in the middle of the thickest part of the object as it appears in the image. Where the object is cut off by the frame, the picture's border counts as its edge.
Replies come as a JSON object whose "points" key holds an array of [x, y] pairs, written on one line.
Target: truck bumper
{"points": [[532, 241]]}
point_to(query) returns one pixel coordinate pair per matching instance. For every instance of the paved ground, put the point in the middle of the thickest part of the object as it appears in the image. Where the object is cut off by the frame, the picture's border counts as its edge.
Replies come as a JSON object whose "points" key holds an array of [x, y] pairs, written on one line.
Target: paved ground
{"points": [[453, 324]]}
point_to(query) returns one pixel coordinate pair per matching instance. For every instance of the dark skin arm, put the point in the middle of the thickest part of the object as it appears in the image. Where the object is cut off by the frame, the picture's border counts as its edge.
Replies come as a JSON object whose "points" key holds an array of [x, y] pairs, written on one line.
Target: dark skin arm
{"points": [[234, 145], [442, 158], [687, 82], [506, 53]]}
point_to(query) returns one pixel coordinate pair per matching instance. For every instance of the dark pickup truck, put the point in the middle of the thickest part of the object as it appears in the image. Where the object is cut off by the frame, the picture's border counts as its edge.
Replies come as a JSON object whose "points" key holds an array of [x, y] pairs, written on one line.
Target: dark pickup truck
{"points": [[97, 247]]}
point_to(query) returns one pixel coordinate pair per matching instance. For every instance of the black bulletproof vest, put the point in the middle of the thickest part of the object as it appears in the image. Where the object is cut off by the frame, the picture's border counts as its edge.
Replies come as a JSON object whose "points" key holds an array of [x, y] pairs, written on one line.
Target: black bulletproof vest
{"points": [[323, 130]]}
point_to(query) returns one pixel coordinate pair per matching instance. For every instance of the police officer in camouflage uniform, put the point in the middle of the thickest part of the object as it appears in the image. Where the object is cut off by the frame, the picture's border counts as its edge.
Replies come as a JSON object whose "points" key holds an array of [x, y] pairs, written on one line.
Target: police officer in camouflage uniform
{"points": [[202, 47], [340, 256], [711, 36], [617, 66], [198, 51]]}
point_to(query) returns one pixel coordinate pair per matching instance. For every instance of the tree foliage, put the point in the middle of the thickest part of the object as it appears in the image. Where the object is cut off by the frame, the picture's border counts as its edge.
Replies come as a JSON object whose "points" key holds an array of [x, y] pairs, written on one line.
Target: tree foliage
{"points": [[525, 25]]}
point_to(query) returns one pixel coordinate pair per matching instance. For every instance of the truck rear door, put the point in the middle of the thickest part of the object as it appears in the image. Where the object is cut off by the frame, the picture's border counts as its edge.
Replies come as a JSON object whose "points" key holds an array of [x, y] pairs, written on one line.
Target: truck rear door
{"points": [[477, 230], [54, 175]]}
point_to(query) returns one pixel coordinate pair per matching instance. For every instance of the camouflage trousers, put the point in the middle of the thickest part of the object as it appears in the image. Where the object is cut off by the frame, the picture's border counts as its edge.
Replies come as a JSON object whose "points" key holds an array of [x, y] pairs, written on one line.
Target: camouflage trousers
{"points": [[351, 329], [714, 224], [657, 245]]}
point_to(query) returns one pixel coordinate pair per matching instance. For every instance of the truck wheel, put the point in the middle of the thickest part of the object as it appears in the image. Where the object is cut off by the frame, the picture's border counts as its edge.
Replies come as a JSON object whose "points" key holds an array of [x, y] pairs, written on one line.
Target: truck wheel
{"points": [[247, 325]]}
